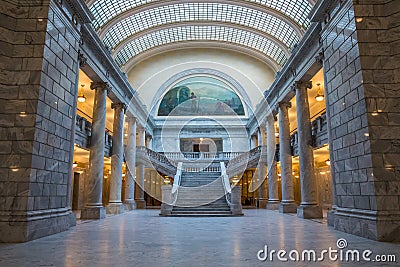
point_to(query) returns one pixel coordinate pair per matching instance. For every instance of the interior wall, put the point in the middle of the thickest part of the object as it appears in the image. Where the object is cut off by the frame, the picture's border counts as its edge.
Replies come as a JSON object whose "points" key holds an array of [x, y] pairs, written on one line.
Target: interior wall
{"points": [[149, 75]]}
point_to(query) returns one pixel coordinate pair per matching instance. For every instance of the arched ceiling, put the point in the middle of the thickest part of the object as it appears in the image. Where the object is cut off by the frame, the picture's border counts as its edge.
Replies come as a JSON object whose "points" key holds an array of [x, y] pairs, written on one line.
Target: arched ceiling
{"points": [[268, 28]]}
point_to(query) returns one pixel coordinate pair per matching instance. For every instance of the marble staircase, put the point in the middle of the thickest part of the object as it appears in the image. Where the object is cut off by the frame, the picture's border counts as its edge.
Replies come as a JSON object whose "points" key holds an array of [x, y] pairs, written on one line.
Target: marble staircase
{"points": [[201, 194]]}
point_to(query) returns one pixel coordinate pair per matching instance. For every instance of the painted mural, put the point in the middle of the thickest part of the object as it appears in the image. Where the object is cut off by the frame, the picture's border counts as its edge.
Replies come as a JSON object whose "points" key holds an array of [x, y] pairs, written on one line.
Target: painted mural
{"points": [[201, 95]]}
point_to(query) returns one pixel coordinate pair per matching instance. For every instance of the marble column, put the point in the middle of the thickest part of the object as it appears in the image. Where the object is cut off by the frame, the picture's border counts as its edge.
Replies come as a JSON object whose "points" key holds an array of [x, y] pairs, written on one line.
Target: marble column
{"points": [[273, 194], [262, 170], [309, 207], [139, 190], [130, 158], [287, 204], [115, 205], [94, 208]]}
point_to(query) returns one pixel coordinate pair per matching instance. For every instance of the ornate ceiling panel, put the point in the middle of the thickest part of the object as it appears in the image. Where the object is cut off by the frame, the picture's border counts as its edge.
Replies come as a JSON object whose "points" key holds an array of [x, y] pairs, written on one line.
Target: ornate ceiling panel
{"points": [[133, 27], [197, 33]]}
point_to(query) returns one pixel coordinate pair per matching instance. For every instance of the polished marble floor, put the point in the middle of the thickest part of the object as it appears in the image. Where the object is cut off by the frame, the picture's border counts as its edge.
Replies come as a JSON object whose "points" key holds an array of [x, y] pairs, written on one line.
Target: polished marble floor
{"points": [[142, 238]]}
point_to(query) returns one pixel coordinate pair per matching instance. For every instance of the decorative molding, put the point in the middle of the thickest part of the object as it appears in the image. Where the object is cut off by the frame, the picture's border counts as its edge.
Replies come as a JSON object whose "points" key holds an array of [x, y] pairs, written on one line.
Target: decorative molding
{"points": [[320, 58], [82, 59]]}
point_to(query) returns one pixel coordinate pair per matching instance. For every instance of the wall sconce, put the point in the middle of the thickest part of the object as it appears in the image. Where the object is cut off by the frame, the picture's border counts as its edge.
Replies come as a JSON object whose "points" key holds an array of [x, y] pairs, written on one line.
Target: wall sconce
{"points": [[81, 95], [328, 162], [320, 97], [376, 110], [235, 179], [75, 164], [166, 180]]}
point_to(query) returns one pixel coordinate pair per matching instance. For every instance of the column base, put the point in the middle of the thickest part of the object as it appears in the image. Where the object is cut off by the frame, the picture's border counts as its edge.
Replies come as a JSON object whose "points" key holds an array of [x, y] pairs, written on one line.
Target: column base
{"points": [[115, 208], [140, 204], [330, 216], [236, 209], [376, 225], [309, 212], [262, 203], [287, 208], [90, 213], [166, 209], [27, 226], [129, 204], [272, 205]]}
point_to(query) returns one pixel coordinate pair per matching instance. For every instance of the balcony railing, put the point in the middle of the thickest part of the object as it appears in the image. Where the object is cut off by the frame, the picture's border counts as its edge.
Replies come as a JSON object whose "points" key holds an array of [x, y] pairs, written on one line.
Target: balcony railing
{"points": [[83, 134], [199, 156], [319, 131]]}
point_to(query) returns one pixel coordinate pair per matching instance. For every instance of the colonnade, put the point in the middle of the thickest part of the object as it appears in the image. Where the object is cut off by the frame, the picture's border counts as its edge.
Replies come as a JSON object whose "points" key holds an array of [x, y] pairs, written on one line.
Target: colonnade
{"points": [[134, 195], [309, 207]]}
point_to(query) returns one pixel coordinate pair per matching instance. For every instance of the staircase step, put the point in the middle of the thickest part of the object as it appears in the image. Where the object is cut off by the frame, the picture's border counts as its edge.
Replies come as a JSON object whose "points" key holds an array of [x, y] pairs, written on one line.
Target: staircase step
{"points": [[201, 194]]}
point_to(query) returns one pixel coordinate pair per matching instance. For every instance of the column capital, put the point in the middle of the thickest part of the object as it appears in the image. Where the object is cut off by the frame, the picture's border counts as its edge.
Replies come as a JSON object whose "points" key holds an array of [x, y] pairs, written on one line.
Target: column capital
{"points": [[99, 85], [284, 104], [119, 105], [302, 85], [131, 119], [271, 117]]}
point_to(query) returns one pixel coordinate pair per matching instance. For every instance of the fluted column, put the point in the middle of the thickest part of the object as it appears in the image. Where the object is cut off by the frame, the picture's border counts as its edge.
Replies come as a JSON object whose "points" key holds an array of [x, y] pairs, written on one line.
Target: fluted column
{"points": [[94, 208], [115, 205], [130, 157], [309, 205], [287, 205], [139, 190], [262, 170], [273, 194]]}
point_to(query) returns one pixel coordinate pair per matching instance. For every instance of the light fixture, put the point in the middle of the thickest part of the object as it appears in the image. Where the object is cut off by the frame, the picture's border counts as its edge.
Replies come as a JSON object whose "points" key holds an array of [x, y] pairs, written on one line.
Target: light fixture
{"points": [[81, 95], [75, 164], [376, 110], [235, 179], [328, 162], [22, 114], [14, 168], [166, 180], [320, 97], [359, 19]]}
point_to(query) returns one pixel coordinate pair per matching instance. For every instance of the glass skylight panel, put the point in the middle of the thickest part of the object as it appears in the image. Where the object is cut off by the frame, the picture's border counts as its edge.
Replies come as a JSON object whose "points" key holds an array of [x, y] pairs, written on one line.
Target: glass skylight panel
{"points": [[298, 10], [194, 33], [201, 12], [106, 10]]}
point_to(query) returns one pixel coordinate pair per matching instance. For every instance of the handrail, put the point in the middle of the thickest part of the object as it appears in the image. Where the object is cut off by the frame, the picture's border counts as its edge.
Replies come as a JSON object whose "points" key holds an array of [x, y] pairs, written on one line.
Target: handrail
{"points": [[177, 178], [226, 183], [177, 183]]}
